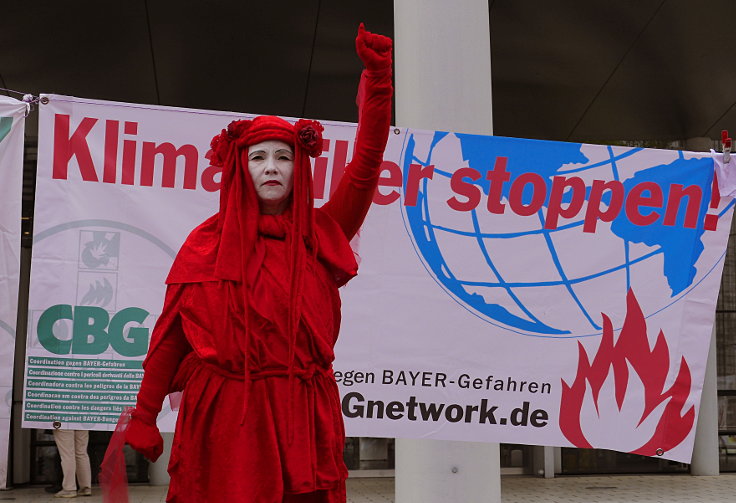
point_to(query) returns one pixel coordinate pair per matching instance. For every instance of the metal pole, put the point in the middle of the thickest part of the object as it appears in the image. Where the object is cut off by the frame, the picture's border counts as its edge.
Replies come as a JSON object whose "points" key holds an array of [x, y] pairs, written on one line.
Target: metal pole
{"points": [[705, 451], [158, 474], [443, 82]]}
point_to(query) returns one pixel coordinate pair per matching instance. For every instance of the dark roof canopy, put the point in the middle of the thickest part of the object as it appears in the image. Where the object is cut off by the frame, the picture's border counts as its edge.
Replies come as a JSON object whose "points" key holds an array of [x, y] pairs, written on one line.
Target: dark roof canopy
{"points": [[581, 71]]}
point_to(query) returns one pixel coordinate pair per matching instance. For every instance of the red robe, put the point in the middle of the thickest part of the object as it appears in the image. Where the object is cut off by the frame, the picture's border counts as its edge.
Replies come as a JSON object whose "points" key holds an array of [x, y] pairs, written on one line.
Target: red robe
{"points": [[274, 434]]}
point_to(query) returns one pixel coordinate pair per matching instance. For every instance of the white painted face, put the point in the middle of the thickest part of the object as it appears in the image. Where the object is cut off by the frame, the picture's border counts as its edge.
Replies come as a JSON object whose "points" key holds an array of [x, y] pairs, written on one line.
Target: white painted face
{"points": [[271, 167]]}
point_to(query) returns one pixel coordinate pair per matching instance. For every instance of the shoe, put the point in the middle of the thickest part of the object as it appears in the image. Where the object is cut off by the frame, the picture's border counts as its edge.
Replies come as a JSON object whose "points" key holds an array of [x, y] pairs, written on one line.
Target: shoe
{"points": [[85, 491], [66, 494]]}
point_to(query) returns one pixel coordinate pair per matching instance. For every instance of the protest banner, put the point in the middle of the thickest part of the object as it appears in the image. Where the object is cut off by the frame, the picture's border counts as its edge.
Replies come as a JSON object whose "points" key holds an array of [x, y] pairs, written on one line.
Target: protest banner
{"points": [[12, 124], [510, 290]]}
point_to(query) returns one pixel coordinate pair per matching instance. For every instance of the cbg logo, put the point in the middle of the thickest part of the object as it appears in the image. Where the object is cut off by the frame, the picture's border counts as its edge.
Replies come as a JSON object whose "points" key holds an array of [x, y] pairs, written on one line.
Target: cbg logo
{"points": [[94, 331], [100, 300]]}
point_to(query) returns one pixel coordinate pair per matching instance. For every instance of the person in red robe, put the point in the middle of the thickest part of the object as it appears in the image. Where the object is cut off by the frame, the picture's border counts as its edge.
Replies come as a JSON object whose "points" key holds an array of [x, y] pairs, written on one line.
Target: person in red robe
{"points": [[252, 313]]}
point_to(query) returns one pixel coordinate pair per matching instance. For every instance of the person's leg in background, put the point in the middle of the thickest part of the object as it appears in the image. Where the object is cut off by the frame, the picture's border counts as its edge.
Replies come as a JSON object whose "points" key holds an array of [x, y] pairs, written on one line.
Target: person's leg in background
{"points": [[84, 472], [65, 443]]}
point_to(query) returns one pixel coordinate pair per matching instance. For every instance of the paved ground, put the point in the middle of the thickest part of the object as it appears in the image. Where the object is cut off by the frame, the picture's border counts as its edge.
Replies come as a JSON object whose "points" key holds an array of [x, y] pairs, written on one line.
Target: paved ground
{"points": [[613, 489], [621, 489]]}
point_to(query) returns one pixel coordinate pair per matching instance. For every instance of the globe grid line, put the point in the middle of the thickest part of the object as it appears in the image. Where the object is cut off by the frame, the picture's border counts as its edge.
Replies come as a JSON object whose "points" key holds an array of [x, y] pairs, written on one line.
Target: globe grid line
{"points": [[503, 283], [580, 279], [561, 271], [728, 207], [505, 235]]}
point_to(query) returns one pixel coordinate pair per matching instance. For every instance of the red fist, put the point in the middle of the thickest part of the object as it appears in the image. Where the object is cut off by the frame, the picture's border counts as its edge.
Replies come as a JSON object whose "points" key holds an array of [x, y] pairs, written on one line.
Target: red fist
{"points": [[373, 49], [144, 438]]}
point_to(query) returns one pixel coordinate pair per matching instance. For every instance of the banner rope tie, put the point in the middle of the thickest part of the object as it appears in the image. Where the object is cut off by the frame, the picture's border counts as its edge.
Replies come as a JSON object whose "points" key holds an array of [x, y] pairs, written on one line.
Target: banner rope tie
{"points": [[29, 99]]}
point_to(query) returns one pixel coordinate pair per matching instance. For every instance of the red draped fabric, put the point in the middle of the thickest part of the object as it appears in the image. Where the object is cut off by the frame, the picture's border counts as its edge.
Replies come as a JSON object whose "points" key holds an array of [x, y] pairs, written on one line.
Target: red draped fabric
{"points": [[260, 418]]}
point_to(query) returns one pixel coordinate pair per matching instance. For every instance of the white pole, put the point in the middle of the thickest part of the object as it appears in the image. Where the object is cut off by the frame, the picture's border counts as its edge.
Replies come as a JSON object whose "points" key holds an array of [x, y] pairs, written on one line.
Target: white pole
{"points": [[705, 451], [443, 65], [158, 474], [549, 462], [443, 82]]}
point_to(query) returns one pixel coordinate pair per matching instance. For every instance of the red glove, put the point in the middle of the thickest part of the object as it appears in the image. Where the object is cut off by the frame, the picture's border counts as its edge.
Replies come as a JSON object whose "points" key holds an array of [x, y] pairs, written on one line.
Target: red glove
{"points": [[374, 50], [144, 437], [348, 205]]}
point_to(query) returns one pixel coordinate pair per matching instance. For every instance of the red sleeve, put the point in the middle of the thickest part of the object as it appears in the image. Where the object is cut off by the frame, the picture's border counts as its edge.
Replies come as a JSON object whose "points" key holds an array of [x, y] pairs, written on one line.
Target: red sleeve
{"points": [[349, 204], [167, 349]]}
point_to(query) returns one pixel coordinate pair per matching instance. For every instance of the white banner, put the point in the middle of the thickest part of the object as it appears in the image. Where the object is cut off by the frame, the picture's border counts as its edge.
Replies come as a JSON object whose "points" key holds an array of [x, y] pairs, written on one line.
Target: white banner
{"points": [[510, 290], [12, 123]]}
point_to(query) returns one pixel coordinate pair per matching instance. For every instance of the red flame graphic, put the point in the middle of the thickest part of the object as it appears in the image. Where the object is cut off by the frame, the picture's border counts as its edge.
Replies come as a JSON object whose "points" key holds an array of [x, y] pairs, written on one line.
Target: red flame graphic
{"points": [[652, 367]]}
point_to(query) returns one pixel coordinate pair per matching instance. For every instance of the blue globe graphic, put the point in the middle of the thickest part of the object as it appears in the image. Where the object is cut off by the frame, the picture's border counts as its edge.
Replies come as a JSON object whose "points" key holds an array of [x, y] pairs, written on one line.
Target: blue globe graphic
{"points": [[513, 273]]}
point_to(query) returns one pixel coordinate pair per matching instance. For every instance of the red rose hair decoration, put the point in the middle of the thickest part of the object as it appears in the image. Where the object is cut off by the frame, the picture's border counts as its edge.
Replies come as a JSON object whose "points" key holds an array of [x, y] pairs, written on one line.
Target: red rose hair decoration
{"points": [[309, 136], [307, 133], [218, 149], [220, 144]]}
